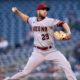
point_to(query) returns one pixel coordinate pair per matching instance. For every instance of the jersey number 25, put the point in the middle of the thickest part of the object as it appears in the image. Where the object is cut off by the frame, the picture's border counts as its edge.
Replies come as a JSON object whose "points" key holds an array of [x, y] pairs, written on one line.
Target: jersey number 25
{"points": [[45, 36]]}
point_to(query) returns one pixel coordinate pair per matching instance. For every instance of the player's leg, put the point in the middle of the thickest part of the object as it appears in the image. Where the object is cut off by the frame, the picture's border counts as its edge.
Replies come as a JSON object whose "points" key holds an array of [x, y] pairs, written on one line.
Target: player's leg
{"points": [[59, 59], [35, 60]]}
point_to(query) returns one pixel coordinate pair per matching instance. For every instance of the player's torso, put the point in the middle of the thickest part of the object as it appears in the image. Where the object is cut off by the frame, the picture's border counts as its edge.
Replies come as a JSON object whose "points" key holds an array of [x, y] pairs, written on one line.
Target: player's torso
{"points": [[43, 32]]}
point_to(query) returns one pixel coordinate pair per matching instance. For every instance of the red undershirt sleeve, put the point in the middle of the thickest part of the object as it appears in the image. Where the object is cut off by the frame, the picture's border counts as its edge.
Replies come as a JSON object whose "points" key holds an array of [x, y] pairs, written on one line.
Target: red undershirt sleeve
{"points": [[60, 23]]}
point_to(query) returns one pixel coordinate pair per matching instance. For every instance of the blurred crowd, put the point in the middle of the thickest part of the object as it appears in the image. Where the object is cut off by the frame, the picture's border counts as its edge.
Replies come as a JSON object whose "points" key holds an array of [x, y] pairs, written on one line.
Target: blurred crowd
{"points": [[2, 71], [3, 44], [75, 59], [73, 21]]}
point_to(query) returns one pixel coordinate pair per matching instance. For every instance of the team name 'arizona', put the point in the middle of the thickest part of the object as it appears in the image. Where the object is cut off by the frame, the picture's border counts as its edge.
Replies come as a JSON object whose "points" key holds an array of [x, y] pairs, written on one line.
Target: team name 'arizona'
{"points": [[39, 28]]}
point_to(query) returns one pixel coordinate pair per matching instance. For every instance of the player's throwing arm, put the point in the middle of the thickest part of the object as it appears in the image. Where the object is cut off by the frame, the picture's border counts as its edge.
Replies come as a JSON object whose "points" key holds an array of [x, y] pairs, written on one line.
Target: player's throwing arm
{"points": [[23, 16]]}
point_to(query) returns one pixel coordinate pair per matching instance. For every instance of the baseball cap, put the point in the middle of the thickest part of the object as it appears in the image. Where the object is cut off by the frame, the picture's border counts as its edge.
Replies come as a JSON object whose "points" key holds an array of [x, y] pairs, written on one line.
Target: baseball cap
{"points": [[43, 6]]}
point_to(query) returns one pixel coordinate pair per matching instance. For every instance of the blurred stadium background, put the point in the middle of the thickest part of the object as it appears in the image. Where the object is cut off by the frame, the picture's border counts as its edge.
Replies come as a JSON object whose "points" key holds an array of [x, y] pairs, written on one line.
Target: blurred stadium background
{"points": [[16, 40]]}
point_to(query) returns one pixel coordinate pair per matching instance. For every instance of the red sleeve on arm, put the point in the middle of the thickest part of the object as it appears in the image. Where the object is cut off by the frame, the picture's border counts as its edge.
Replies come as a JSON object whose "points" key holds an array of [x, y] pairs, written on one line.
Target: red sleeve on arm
{"points": [[28, 20], [60, 23]]}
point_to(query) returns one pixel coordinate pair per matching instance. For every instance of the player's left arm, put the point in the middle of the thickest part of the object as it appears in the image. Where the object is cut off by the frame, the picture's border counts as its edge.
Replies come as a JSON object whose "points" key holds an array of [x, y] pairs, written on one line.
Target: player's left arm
{"points": [[67, 29], [59, 23]]}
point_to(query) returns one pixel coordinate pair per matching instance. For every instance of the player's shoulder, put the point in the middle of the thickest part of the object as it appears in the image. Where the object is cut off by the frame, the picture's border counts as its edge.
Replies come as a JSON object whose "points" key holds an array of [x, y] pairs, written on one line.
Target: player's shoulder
{"points": [[51, 18], [32, 17], [48, 18]]}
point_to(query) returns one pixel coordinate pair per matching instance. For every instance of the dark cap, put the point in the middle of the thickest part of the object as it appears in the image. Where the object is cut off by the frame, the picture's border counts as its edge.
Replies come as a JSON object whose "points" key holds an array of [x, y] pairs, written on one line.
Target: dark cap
{"points": [[43, 6]]}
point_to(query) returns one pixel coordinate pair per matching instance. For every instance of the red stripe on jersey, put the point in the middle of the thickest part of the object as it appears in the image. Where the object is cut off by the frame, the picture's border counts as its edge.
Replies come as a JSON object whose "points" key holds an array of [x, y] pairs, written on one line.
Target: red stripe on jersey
{"points": [[60, 24]]}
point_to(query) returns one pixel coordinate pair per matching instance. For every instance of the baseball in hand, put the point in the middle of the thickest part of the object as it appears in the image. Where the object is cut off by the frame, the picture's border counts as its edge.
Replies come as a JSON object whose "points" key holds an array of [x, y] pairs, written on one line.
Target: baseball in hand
{"points": [[14, 9]]}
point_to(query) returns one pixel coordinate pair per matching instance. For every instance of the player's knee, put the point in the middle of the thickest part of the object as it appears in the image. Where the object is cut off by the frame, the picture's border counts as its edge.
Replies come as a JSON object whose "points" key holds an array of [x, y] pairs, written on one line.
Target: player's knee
{"points": [[67, 65]]}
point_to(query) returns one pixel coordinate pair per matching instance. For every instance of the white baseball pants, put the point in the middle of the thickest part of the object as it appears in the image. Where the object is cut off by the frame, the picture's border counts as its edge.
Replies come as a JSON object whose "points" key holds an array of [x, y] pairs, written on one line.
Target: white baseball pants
{"points": [[36, 59]]}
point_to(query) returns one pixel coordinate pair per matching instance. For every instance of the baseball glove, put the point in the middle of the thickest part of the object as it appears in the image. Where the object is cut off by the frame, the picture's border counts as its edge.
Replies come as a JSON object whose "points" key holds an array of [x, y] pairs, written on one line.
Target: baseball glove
{"points": [[60, 35]]}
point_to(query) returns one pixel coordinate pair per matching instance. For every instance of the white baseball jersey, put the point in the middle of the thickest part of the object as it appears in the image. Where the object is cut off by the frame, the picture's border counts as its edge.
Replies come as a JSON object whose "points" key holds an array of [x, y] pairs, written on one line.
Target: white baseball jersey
{"points": [[43, 37], [43, 31]]}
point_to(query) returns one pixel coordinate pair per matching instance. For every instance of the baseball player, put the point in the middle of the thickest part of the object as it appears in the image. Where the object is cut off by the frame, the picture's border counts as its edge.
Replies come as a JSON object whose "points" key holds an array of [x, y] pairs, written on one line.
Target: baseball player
{"points": [[44, 49]]}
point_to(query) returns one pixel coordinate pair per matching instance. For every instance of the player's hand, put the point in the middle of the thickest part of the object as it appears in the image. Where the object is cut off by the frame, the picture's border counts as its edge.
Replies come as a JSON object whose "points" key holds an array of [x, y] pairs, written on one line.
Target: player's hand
{"points": [[14, 9], [67, 36]]}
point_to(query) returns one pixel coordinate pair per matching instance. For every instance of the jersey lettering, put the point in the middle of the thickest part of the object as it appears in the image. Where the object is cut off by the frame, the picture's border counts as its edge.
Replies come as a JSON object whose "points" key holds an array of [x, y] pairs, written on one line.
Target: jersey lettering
{"points": [[39, 28]]}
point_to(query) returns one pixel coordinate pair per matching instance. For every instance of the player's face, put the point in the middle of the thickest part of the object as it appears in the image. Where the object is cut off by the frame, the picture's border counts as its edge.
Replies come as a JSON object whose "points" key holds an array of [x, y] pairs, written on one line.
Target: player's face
{"points": [[42, 13]]}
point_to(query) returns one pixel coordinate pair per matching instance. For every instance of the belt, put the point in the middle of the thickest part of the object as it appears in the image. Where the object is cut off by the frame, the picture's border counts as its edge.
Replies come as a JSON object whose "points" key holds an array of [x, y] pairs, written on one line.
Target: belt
{"points": [[43, 48]]}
